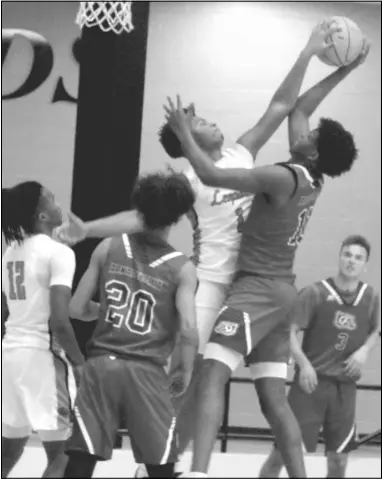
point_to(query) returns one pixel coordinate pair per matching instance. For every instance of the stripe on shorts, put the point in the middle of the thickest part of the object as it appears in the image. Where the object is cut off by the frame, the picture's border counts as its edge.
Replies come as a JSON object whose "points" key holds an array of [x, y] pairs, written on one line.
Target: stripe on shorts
{"points": [[348, 439], [169, 441], [248, 337], [84, 431]]}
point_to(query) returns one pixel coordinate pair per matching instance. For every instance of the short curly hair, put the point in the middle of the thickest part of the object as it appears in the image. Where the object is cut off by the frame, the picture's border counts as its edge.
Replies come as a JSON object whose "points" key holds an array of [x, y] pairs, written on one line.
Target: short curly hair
{"points": [[336, 148], [162, 199], [170, 141]]}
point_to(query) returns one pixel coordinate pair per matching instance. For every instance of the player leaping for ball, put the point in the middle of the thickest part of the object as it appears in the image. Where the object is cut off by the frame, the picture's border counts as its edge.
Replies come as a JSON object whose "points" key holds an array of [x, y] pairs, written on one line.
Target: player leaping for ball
{"points": [[253, 322]]}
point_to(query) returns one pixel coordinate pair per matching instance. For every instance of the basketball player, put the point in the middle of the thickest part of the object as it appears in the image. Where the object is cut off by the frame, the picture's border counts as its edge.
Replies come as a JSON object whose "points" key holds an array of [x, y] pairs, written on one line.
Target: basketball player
{"points": [[253, 324], [147, 296], [341, 324], [39, 347]]}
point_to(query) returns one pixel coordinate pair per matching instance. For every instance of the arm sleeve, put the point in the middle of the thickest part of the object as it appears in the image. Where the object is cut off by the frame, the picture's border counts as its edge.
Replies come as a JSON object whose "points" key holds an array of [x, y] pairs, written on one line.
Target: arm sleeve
{"points": [[305, 307], [62, 266]]}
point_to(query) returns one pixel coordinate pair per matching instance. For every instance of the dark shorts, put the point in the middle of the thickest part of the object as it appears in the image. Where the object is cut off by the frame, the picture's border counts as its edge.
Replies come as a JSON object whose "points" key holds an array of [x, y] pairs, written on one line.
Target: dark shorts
{"points": [[129, 394], [255, 319], [332, 408]]}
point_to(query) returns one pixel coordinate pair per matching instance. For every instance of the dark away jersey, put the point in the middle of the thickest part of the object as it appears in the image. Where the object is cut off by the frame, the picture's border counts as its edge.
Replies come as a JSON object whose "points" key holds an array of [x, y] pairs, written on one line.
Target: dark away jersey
{"points": [[138, 286], [272, 233], [335, 323]]}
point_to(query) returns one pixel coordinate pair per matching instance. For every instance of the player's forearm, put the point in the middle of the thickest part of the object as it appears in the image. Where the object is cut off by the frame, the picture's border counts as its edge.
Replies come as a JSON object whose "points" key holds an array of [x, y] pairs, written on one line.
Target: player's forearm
{"points": [[288, 91], [371, 341], [64, 334], [204, 167], [124, 222], [311, 99], [89, 312], [188, 345], [297, 352]]}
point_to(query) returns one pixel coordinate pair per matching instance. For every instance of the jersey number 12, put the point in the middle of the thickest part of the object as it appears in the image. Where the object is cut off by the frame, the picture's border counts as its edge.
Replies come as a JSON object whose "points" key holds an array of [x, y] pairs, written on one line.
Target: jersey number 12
{"points": [[16, 276], [135, 310]]}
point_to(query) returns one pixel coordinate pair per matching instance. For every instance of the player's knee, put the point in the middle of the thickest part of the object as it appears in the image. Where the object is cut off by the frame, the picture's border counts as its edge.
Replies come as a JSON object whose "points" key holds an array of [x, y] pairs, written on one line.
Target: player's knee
{"points": [[213, 374], [272, 398]]}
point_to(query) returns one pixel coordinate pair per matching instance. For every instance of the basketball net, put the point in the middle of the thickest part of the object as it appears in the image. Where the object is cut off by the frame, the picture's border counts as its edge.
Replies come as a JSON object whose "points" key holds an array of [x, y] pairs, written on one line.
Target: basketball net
{"points": [[108, 16]]}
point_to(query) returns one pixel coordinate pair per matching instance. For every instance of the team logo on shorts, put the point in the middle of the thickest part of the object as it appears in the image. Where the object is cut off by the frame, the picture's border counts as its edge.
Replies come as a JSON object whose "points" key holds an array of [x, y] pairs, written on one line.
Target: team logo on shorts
{"points": [[226, 328], [345, 321]]}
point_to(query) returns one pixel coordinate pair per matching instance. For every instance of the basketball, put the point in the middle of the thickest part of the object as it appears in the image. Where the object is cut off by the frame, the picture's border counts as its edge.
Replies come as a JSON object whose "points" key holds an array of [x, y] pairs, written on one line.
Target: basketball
{"points": [[348, 43]]}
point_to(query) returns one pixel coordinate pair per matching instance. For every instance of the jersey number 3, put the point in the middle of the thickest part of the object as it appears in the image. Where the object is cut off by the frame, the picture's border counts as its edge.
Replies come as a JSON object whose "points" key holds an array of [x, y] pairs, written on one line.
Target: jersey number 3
{"points": [[16, 276], [135, 310]]}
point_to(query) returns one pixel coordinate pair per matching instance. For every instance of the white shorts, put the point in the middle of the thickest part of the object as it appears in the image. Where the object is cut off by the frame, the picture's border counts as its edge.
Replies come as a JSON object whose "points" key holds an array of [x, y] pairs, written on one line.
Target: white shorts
{"points": [[209, 300], [38, 392]]}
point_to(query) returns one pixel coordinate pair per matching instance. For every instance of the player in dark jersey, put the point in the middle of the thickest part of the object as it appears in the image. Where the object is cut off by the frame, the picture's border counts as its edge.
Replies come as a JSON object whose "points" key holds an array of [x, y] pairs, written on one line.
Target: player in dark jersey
{"points": [[341, 323], [253, 322], [147, 292]]}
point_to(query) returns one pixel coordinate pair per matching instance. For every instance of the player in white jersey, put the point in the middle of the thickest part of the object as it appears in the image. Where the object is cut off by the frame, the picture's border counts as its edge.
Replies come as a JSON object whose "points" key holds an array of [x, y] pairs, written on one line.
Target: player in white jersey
{"points": [[39, 346]]}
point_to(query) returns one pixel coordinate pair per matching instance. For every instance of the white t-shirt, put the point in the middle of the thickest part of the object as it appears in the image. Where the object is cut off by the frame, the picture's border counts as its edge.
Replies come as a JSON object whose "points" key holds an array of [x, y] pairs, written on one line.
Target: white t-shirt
{"points": [[216, 219], [28, 272]]}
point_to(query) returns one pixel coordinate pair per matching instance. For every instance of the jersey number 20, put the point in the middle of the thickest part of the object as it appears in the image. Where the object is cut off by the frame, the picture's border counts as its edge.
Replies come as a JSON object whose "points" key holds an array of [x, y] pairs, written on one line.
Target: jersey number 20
{"points": [[16, 277], [135, 310]]}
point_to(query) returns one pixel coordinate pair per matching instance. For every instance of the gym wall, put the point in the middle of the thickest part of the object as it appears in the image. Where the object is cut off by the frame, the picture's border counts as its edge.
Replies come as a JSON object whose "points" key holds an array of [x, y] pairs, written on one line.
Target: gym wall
{"points": [[228, 58]]}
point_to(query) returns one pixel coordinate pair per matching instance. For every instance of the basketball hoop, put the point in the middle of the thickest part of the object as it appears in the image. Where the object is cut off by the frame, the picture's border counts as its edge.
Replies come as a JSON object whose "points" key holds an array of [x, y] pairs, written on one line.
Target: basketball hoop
{"points": [[108, 16]]}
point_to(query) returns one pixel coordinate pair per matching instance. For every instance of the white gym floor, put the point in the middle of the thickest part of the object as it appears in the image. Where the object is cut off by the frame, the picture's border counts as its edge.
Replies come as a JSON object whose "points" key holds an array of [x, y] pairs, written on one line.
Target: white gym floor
{"points": [[244, 459]]}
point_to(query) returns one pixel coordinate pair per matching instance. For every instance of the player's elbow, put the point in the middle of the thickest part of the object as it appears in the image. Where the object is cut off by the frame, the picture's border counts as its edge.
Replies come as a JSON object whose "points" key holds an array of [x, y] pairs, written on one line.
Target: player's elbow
{"points": [[190, 337], [281, 107], [76, 309]]}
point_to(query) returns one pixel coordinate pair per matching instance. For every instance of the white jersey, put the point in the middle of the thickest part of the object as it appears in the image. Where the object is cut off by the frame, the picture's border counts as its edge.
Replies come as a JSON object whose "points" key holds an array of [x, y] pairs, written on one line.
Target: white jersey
{"points": [[28, 272], [217, 217]]}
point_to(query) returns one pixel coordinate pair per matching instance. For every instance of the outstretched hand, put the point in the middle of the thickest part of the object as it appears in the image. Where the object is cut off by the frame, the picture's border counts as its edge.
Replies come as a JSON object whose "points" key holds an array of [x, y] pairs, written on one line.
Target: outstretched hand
{"points": [[72, 231], [321, 38], [177, 118], [361, 57]]}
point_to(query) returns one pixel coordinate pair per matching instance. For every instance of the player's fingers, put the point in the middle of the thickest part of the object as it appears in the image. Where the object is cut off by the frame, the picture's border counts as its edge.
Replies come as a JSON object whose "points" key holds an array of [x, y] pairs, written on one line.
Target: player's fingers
{"points": [[179, 103], [333, 28], [167, 109], [365, 49], [304, 385], [171, 104]]}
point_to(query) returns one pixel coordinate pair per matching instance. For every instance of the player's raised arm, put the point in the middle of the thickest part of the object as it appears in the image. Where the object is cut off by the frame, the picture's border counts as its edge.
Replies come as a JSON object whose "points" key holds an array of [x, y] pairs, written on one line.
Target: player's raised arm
{"points": [[81, 305], [185, 305], [76, 230], [284, 99], [306, 105], [280, 107], [62, 267]]}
